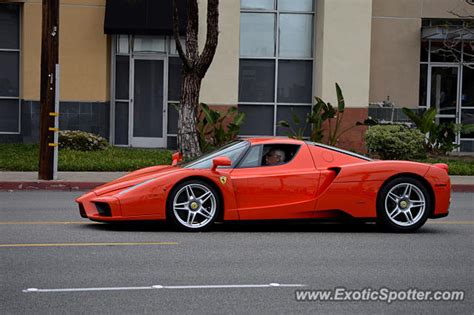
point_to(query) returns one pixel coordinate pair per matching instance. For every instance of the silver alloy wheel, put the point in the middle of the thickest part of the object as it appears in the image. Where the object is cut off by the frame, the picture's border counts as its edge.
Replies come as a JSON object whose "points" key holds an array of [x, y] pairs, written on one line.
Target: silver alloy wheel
{"points": [[405, 204], [194, 206]]}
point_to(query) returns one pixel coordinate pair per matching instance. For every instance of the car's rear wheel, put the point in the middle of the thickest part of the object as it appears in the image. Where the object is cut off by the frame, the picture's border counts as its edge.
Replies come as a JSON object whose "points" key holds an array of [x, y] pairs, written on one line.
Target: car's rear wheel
{"points": [[193, 205], [403, 205]]}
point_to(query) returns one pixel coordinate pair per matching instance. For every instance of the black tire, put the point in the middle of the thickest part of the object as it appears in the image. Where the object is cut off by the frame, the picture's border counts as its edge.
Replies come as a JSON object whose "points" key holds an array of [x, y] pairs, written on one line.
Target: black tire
{"points": [[206, 211], [391, 213]]}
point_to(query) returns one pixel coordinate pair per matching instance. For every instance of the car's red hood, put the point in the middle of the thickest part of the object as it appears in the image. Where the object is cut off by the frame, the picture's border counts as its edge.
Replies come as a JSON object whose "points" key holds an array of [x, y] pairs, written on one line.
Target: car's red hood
{"points": [[135, 178]]}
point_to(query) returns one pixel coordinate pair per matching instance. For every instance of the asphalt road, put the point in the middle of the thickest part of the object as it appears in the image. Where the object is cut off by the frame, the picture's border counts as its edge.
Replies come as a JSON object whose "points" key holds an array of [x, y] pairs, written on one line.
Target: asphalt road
{"points": [[59, 250]]}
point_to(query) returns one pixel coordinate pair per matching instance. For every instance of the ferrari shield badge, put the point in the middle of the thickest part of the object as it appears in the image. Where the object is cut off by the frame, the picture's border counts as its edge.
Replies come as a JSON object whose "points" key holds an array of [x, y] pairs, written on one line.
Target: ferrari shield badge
{"points": [[223, 180]]}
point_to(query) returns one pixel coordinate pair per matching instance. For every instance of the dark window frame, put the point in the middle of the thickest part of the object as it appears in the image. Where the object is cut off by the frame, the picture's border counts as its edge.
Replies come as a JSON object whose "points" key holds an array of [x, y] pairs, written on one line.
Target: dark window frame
{"points": [[277, 58], [16, 97]]}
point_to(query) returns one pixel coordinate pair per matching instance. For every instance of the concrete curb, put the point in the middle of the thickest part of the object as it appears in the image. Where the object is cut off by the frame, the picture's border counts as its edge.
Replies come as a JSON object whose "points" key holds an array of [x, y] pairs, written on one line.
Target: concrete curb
{"points": [[84, 186], [462, 188]]}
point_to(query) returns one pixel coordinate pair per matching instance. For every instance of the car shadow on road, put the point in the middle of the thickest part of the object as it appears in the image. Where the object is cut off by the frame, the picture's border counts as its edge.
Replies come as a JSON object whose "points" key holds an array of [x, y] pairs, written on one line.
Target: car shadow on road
{"points": [[258, 227]]}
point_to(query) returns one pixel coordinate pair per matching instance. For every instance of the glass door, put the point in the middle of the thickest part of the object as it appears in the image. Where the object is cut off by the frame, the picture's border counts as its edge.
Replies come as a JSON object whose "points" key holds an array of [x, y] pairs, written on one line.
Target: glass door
{"points": [[148, 102], [444, 81]]}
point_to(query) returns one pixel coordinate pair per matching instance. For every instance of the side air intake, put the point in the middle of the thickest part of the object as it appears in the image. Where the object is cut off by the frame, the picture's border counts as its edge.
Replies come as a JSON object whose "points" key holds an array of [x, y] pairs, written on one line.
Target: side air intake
{"points": [[103, 208], [327, 177]]}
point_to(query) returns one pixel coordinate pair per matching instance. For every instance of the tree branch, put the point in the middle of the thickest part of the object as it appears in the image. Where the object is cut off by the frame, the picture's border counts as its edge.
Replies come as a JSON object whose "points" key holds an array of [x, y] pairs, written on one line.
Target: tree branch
{"points": [[469, 16], [179, 47], [464, 16], [454, 36], [212, 36]]}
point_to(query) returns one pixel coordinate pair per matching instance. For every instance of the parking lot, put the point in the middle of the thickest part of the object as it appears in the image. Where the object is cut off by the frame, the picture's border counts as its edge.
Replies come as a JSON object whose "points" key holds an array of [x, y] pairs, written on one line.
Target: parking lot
{"points": [[80, 266]]}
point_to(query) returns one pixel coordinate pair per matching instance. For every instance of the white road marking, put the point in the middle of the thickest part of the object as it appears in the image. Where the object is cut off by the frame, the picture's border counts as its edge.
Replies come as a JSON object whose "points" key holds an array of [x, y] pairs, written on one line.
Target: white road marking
{"points": [[87, 244], [155, 287]]}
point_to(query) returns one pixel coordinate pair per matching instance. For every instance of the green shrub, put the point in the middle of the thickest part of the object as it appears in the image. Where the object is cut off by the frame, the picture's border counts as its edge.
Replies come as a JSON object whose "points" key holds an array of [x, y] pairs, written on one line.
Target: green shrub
{"points": [[395, 142], [440, 136], [216, 128], [81, 140]]}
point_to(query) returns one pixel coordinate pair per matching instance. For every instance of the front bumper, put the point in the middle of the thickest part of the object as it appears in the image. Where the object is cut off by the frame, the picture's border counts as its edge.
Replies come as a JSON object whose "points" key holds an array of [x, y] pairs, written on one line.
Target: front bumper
{"points": [[105, 208]]}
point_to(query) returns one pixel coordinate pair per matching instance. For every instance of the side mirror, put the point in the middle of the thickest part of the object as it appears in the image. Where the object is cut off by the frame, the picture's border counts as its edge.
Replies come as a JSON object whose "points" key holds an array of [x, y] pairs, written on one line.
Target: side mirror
{"points": [[220, 161], [176, 157]]}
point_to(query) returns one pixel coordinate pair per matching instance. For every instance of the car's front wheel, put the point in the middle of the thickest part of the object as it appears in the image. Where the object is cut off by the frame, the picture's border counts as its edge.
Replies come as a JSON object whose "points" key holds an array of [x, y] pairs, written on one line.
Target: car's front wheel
{"points": [[193, 205], [403, 205]]}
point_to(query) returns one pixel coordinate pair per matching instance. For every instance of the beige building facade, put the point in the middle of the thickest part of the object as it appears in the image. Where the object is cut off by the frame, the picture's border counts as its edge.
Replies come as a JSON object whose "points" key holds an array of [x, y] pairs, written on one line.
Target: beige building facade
{"points": [[273, 58]]}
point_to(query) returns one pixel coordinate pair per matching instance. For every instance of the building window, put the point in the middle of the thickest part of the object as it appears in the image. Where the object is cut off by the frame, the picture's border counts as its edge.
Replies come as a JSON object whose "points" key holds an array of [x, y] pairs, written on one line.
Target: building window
{"points": [[447, 74], [276, 63], [9, 68]]}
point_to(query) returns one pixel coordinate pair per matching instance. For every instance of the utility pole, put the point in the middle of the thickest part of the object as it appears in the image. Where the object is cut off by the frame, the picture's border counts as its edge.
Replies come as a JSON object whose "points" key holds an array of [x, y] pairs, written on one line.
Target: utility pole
{"points": [[49, 88]]}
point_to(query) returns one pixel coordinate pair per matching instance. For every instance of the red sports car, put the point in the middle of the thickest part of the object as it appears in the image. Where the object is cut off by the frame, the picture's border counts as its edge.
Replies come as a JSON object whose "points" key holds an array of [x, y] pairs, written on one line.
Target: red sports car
{"points": [[275, 178]]}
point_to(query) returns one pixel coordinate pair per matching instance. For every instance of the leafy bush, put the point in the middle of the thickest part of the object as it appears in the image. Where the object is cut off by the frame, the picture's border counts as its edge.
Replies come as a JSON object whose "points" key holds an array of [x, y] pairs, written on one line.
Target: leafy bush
{"points": [[395, 142], [296, 129], [216, 128], [440, 136], [81, 140]]}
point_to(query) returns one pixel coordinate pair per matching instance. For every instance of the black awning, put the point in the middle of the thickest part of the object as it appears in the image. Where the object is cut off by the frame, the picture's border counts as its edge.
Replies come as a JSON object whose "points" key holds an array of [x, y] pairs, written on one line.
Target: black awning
{"points": [[143, 17]]}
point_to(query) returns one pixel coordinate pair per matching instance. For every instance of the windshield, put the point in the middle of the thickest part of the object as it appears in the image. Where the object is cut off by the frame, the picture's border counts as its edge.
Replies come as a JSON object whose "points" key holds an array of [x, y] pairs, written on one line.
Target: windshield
{"points": [[233, 151]]}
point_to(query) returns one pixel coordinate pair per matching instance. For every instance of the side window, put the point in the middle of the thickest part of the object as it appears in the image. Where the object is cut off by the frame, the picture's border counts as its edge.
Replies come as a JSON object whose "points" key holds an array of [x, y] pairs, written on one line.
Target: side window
{"points": [[253, 158], [233, 151], [278, 154], [269, 155]]}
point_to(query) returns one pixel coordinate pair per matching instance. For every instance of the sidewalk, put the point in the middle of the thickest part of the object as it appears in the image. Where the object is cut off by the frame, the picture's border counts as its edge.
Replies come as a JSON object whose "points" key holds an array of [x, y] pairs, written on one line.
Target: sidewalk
{"points": [[68, 181], [72, 181]]}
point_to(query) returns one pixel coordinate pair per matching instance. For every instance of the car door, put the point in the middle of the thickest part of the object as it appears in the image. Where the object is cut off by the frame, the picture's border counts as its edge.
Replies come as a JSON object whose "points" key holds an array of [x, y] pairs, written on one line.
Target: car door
{"points": [[280, 191]]}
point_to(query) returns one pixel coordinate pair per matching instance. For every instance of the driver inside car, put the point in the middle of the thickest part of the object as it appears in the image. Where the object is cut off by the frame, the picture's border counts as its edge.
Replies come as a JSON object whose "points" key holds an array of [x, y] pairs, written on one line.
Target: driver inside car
{"points": [[275, 157]]}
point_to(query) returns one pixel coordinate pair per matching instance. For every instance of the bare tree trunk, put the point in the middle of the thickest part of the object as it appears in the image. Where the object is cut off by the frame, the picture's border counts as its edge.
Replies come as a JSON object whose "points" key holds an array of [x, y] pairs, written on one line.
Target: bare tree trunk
{"points": [[195, 67], [188, 138]]}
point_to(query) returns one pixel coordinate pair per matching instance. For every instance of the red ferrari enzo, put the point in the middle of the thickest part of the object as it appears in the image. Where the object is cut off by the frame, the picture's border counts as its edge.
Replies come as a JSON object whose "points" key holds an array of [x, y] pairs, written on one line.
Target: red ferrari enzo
{"points": [[275, 178]]}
